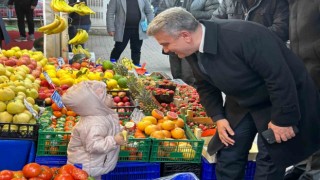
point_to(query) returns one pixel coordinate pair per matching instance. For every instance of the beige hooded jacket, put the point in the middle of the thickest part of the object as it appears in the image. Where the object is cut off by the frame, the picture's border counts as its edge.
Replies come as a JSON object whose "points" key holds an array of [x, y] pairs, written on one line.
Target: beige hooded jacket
{"points": [[92, 141]]}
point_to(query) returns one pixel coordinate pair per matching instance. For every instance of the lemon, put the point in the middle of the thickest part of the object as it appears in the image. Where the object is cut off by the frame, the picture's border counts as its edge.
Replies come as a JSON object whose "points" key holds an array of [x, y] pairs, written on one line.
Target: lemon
{"points": [[3, 106], [111, 84], [56, 81], [108, 75]]}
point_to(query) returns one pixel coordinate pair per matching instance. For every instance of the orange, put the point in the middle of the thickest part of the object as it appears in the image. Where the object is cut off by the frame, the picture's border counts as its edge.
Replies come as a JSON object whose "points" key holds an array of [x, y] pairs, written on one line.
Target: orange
{"points": [[159, 126], [168, 125], [177, 133], [157, 135], [55, 107], [161, 120], [166, 133], [150, 129], [143, 124], [179, 122], [157, 114], [71, 113], [57, 114], [152, 119]]}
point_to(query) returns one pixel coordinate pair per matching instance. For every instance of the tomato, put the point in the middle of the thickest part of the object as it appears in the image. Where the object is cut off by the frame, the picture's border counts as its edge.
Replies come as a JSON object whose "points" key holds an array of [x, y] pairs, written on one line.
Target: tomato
{"points": [[6, 175], [35, 178], [79, 174], [66, 169], [22, 178], [63, 177], [46, 173], [17, 174], [31, 170]]}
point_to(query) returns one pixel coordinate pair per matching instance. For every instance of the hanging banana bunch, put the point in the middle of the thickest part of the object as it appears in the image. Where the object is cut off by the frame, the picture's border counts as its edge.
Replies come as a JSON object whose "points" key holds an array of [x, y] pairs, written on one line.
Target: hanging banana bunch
{"points": [[61, 6], [58, 25], [78, 49], [80, 38], [82, 9]]}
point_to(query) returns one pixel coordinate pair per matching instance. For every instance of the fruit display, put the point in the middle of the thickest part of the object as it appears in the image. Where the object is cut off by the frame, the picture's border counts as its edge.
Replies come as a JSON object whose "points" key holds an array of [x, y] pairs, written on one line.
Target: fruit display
{"points": [[58, 25], [34, 171], [78, 49]]}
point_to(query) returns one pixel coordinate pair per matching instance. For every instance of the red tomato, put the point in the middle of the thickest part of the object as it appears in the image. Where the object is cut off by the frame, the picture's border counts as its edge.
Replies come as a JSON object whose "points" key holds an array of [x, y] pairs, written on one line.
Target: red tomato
{"points": [[79, 174], [46, 173], [66, 169], [17, 174], [55, 170], [6, 175], [63, 177], [22, 178], [35, 178], [31, 170]]}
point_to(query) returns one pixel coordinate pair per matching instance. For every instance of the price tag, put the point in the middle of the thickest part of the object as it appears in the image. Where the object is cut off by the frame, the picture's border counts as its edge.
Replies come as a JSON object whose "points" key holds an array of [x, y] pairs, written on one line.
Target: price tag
{"points": [[137, 115], [30, 109], [60, 61], [48, 79], [57, 99]]}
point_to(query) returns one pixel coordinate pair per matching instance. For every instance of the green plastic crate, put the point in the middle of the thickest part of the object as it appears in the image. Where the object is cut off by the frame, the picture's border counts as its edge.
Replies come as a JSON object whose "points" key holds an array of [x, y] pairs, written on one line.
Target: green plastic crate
{"points": [[53, 143], [177, 150], [136, 149]]}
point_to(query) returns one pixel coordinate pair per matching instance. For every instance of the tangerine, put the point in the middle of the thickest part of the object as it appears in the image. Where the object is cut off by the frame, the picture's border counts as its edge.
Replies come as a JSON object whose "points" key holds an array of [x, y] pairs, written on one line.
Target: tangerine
{"points": [[157, 114], [177, 133]]}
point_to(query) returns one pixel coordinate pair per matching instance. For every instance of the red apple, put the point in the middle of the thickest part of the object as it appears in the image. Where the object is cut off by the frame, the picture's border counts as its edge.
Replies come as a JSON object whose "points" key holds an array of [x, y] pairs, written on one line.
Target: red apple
{"points": [[48, 101], [64, 86], [121, 94], [42, 95], [76, 65], [120, 104], [127, 104], [125, 99], [10, 62], [116, 99]]}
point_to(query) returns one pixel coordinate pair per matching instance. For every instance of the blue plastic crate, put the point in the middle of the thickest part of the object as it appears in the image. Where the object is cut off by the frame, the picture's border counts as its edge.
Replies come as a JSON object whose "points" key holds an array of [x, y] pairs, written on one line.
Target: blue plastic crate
{"points": [[209, 173], [133, 171], [14, 154], [51, 161]]}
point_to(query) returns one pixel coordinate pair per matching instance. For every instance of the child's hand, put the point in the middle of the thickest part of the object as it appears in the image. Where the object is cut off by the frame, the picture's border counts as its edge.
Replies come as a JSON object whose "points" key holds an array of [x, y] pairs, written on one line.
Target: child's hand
{"points": [[119, 139]]}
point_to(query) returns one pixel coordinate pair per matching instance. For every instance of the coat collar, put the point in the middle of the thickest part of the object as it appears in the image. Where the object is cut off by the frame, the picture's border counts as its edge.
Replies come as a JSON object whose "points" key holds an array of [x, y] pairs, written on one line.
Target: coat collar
{"points": [[211, 37]]}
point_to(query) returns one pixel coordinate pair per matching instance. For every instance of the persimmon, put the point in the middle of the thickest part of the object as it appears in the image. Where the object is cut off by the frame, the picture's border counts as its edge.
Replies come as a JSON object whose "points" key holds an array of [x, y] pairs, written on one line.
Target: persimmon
{"points": [[71, 113], [55, 107]]}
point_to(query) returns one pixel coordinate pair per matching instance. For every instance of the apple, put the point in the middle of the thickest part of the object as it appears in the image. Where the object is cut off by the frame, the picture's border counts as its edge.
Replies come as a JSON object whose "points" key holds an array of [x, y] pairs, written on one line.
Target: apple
{"points": [[125, 99], [117, 99], [121, 94], [42, 95], [76, 65], [64, 87], [120, 104], [10, 62], [127, 104], [48, 101]]}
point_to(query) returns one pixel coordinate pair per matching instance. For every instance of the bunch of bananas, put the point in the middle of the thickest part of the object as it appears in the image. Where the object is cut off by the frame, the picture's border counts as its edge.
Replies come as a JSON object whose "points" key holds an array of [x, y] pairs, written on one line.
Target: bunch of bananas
{"points": [[61, 6], [78, 49], [58, 25], [80, 38], [82, 9], [127, 63]]}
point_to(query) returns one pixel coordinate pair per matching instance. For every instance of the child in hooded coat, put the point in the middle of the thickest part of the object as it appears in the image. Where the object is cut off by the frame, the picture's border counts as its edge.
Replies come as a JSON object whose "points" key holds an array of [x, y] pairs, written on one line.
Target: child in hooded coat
{"points": [[95, 139]]}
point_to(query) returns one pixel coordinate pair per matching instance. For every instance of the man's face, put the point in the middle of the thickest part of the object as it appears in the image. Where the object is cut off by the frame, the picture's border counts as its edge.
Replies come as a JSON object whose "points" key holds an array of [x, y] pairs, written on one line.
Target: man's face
{"points": [[181, 45]]}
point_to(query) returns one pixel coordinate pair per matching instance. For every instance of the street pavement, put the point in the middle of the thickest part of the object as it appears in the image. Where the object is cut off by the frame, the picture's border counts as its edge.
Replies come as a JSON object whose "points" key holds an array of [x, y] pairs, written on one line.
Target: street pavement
{"points": [[151, 52]]}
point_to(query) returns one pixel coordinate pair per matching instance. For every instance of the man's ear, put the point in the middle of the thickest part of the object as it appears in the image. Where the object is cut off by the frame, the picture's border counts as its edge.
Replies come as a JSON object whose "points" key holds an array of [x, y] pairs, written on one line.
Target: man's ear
{"points": [[186, 35]]}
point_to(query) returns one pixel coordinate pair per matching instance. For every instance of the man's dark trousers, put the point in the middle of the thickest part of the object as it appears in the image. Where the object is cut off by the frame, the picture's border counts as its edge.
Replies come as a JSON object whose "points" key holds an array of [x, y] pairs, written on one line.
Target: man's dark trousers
{"points": [[131, 34], [23, 11], [232, 160]]}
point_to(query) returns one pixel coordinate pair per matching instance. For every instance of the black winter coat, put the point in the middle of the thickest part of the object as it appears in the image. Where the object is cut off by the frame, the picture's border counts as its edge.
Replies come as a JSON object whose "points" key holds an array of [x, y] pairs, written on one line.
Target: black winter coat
{"points": [[23, 2], [260, 76], [273, 14]]}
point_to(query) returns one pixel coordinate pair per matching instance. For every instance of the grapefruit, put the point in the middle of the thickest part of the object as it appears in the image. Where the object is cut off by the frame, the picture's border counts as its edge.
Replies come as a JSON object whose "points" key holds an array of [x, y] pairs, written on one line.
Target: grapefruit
{"points": [[150, 129], [177, 133], [157, 114], [168, 125], [157, 135], [143, 124], [152, 119], [172, 115]]}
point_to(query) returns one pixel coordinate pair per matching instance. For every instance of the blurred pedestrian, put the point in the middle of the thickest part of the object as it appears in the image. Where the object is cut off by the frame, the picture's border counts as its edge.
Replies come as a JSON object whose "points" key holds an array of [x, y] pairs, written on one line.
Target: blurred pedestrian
{"points": [[305, 42], [24, 9], [127, 21], [274, 14], [77, 22], [3, 32]]}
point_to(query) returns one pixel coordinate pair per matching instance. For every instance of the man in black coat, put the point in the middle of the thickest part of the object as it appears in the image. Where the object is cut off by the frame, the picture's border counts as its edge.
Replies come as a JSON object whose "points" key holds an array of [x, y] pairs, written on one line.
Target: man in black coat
{"points": [[266, 87], [24, 9]]}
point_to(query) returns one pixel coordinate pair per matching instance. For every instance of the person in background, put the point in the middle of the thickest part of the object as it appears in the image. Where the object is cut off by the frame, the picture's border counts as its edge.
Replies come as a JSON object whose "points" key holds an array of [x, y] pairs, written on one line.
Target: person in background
{"points": [[274, 14], [24, 9], [127, 21], [3, 33], [200, 9], [266, 86], [96, 138], [77, 22], [304, 35]]}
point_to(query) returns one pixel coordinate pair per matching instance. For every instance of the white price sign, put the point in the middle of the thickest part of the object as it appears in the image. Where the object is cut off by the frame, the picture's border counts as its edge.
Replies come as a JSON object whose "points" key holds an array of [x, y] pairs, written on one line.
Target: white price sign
{"points": [[30, 108], [57, 99], [137, 115]]}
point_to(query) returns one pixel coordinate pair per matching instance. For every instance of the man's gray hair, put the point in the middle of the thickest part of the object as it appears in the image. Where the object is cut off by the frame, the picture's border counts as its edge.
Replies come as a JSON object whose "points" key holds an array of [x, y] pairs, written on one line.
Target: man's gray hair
{"points": [[172, 21]]}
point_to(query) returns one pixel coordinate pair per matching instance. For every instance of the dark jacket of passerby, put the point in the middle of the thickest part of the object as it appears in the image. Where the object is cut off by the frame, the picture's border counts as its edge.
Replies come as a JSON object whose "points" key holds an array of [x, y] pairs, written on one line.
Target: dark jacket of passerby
{"points": [[273, 14], [3, 32], [76, 19], [23, 2], [305, 34]]}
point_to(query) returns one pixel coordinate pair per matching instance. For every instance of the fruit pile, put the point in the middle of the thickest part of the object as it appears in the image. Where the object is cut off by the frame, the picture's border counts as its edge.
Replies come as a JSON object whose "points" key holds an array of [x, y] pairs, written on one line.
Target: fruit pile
{"points": [[34, 171], [206, 129]]}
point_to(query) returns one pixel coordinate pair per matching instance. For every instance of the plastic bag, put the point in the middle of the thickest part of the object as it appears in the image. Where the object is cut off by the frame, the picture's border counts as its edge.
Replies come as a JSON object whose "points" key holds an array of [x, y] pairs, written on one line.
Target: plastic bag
{"points": [[180, 176]]}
